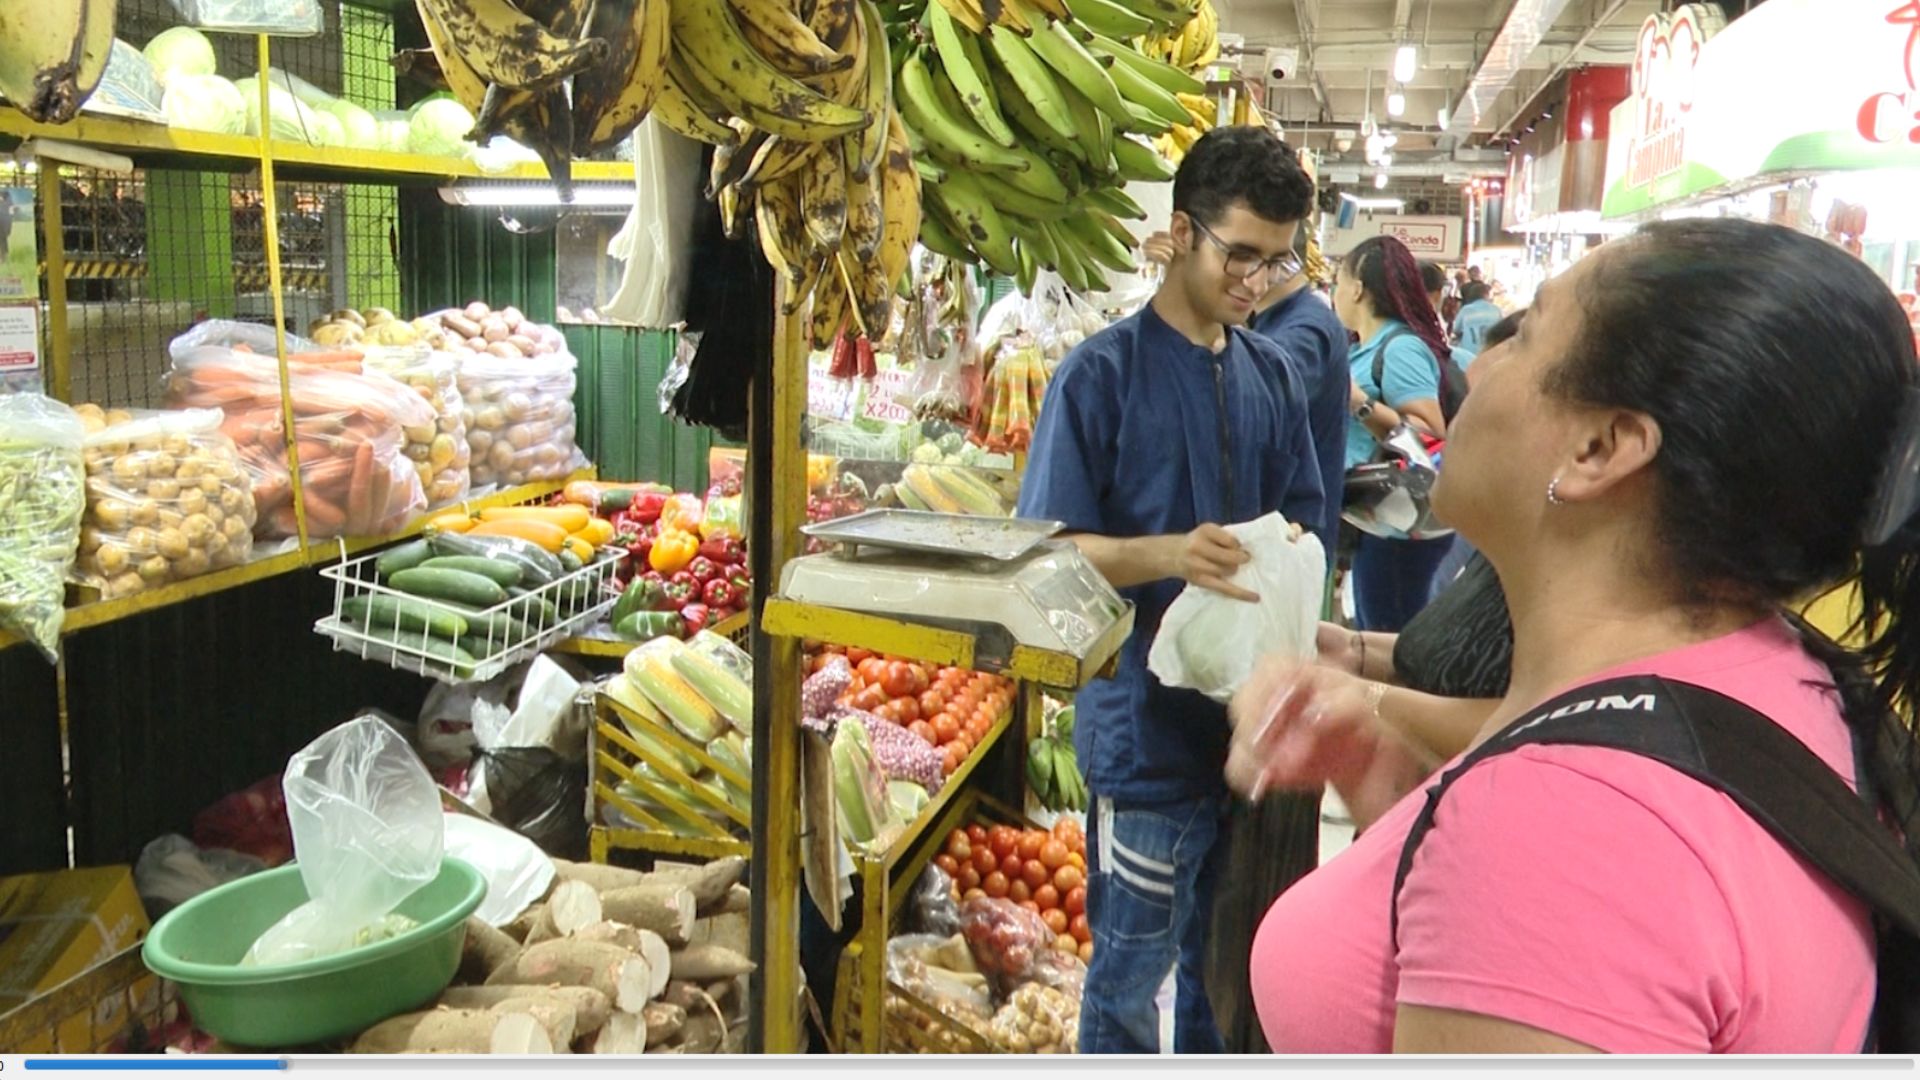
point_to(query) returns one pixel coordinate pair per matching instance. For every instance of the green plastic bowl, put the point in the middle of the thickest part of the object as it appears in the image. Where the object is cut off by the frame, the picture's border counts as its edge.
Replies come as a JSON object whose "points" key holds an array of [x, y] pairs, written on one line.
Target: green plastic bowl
{"points": [[199, 945]]}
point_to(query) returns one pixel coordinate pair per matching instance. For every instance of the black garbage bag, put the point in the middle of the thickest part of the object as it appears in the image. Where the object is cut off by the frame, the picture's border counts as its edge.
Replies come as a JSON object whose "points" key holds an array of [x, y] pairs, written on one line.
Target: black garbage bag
{"points": [[538, 794]]}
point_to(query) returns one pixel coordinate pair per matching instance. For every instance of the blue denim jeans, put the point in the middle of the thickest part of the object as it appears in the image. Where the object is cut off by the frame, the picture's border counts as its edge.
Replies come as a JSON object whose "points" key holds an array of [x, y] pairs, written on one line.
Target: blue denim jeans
{"points": [[1149, 898], [1393, 579]]}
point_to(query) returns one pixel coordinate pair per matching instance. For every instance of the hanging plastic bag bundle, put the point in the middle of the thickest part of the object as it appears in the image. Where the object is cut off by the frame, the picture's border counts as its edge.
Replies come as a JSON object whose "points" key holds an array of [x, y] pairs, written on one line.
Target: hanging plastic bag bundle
{"points": [[367, 833], [1211, 643], [41, 504]]}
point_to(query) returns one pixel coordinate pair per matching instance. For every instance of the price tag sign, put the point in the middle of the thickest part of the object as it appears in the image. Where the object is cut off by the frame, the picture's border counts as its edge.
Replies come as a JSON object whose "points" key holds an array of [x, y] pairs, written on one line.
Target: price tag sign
{"points": [[19, 338], [883, 400]]}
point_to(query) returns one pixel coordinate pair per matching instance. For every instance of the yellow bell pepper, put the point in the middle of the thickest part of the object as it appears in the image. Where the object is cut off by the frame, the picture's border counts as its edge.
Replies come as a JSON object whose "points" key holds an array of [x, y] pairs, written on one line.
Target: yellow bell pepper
{"points": [[672, 551]]}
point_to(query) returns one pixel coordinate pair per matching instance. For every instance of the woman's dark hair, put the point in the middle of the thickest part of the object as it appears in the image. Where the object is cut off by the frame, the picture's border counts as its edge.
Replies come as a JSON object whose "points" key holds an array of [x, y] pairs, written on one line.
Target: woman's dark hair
{"points": [[1391, 276], [1246, 165], [1777, 366]]}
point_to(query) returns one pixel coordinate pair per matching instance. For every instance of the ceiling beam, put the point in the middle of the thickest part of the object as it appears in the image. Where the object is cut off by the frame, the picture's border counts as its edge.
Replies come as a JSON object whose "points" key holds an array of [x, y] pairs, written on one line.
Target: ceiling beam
{"points": [[1526, 26]]}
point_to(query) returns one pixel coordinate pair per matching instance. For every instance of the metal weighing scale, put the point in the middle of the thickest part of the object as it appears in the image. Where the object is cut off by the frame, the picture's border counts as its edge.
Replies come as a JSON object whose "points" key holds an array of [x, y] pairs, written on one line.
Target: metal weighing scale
{"points": [[1004, 581]]}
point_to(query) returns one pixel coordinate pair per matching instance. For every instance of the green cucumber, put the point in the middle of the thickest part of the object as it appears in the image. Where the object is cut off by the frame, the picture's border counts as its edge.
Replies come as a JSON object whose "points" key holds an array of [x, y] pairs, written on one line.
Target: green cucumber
{"points": [[460, 586], [536, 611], [385, 613], [458, 660], [403, 557], [537, 565], [502, 572], [492, 632]]}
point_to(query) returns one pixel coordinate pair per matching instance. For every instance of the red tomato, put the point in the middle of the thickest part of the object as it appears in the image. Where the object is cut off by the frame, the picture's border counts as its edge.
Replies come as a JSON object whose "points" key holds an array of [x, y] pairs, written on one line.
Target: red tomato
{"points": [[1018, 891], [974, 893], [1067, 878], [1053, 854], [948, 865], [1047, 896], [1030, 906], [1030, 841], [856, 657], [948, 763], [871, 668], [870, 699], [945, 728], [959, 845], [984, 861], [969, 878], [977, 833], [1077, 861], [898, 680], [1011, 866], [1064, 942], [1056, 920], [1067, 831], [932, 702], [977, 728], [1035, 874], [965, 744], [965, 702], [920, 677], [1086, 952], [1077, 926], [1076, 901], [995, 884], [906, 710], [924, 730]]}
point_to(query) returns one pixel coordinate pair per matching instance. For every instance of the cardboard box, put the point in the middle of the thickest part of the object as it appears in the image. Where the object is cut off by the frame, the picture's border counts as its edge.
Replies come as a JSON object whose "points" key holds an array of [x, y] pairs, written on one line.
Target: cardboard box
{"points": [[57, 925]]}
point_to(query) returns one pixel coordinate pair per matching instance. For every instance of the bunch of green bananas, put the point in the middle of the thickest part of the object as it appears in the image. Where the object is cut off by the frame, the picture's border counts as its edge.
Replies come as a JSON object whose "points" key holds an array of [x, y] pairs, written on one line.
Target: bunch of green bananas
{"points": [[815, 160], [52, 55], [565, 78], [1053, 772], [1023, 116]]}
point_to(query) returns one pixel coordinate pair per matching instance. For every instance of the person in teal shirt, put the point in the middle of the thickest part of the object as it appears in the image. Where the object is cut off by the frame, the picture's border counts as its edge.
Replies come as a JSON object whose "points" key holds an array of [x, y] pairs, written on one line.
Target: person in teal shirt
{"points": [[1379, 294], [1478, 314]]}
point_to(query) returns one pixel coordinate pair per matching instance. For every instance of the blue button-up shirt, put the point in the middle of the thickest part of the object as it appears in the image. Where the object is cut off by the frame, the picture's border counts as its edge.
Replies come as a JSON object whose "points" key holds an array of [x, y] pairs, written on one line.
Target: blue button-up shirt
{"points": [[1307, 330], [1144, 433]]}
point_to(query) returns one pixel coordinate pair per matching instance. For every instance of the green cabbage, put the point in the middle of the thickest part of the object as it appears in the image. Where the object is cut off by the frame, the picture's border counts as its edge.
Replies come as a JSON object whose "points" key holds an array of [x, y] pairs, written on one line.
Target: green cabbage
{"points": [[439, 129], [204, 103], [360, 130], [291, 121], [179, 51]]}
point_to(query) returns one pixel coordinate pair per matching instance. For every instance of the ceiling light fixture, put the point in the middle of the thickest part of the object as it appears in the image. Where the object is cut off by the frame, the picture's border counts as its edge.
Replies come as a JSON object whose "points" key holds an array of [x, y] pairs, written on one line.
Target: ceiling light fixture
{"points": [[1380, 180], [1406, 61], [1396, 103]]}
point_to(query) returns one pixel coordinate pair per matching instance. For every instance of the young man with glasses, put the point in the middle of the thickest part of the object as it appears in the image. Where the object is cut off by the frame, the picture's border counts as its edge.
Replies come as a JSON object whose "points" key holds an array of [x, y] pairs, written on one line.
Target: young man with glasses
{"points": [[1157, 432]]}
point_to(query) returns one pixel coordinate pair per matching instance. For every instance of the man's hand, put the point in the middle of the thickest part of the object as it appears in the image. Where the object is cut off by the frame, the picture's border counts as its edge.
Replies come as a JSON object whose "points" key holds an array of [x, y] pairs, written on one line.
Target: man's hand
{"points": [[1208, 557], [1158, 248]]}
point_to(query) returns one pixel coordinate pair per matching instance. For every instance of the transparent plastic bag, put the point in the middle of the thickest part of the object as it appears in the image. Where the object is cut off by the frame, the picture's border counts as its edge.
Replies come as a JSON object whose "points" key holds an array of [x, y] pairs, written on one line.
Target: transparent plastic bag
{"points": [[935, 911], [368, 832], [520, 418], [443, 457], [1211, 643], [173, 870], [42, 501], [1037, 1019], [168, 499], [289, 18], [1008, 941], [936, 969], [938, 342], [351, 425]]}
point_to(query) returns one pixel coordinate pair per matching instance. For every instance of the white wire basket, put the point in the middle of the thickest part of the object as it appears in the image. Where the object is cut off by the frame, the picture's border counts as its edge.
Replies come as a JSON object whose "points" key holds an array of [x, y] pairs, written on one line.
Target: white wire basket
{"points": [[468, 644]]}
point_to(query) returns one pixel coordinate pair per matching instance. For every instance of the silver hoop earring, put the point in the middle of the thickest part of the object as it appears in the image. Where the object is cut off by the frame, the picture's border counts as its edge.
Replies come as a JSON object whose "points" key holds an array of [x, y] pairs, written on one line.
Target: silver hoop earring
{"points": [[1553, 492]]}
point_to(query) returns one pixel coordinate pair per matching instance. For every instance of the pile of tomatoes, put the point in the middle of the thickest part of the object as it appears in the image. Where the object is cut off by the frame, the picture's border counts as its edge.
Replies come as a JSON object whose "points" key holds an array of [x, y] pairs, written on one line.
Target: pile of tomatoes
{"points": [[1044, 872], [951, 708]]}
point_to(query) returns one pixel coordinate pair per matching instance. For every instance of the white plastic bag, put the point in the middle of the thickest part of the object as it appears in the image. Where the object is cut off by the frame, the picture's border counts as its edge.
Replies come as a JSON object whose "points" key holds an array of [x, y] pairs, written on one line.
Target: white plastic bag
{"points": [[42, 501], [517, 871], [1210, 643], [367, 832], [172, 870]]}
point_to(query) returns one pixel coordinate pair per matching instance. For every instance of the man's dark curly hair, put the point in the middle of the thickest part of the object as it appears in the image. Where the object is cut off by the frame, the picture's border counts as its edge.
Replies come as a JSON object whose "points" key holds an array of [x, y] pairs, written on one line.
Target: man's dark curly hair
{"points": [[1242, 164]]}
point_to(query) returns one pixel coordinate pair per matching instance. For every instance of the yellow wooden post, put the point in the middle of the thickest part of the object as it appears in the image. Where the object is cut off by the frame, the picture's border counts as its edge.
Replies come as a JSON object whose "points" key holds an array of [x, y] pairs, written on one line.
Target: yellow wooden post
{"points": [[270, 217], [778, 472], [59, 349]]}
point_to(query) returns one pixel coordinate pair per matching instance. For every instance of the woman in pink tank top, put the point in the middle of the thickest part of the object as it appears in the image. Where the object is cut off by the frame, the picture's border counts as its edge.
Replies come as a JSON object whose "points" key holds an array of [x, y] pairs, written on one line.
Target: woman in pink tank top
{"points": [[1689, 433]]}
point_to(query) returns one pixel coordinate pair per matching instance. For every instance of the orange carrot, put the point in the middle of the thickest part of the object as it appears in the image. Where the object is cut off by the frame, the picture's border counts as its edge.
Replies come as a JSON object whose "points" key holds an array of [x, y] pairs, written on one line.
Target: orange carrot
{"points": [[357, 490]]}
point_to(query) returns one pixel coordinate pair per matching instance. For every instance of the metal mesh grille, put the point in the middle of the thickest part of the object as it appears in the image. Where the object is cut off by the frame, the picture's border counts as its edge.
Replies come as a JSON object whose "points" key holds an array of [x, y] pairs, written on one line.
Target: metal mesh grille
{"points": [[151, 252]]}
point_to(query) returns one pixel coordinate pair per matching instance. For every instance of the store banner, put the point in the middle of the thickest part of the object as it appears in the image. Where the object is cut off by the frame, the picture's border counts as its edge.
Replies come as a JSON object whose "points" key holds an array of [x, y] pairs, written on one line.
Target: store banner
{"points": [[1792, 86], [1428, 237]]}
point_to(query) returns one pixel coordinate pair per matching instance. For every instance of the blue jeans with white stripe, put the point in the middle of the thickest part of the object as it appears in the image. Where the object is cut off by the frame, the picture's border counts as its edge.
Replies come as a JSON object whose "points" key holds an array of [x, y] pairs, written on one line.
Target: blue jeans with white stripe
{"points": [[1149, 899]]}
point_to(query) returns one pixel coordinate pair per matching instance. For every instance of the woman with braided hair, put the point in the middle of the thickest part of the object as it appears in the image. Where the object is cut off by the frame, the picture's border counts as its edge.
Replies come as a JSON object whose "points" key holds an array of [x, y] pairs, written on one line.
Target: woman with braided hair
{"points": [[1380, 295]]}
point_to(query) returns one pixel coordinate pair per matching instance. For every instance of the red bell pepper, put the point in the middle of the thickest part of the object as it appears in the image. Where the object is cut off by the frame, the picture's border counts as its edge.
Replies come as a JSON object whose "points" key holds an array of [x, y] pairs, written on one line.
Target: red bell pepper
{"points": [[725, 550], [704, 570], [695, 616], [719, 593], [646, 507], [680, 594]]}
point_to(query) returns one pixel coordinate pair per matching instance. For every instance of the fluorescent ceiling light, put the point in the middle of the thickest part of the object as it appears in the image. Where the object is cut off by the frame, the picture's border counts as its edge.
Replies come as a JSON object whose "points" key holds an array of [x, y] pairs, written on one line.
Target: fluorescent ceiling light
{"points": [[616, 194], [1386, 161], [1379, 180], [1372, 203], [1406, 60], [1442, 116], [1396, 103]]}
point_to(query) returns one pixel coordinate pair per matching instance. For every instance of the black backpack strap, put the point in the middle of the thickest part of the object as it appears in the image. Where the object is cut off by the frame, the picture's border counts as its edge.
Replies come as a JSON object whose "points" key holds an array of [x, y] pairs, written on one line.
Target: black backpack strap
{"points": [[1380, 360], [1730, 747]]}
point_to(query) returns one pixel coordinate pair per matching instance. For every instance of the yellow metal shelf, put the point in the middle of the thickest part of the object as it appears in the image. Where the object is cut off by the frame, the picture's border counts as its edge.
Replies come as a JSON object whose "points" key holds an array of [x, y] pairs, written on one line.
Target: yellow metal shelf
{"points": [[151, 144], [318, 553]]}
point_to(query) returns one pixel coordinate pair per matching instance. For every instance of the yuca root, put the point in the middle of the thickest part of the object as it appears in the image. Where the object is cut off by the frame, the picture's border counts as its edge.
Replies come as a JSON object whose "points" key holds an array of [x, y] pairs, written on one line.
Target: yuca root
{"points": [[602, 878], [554, 1015], [523, 924], [705, 963], [648, 945], [625, 1033], [521, 1033], [486, 950], [571, 905], [453, 1031], [615, 972], [590, 1007], [710, 883], [667, 909], [664, 1021]]}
